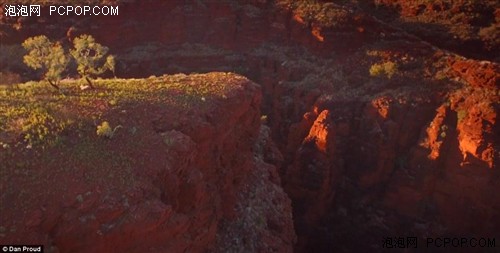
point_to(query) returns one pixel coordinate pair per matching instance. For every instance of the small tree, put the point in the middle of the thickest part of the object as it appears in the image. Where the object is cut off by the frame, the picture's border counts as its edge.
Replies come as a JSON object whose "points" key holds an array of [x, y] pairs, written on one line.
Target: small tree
{"points": [[48, 56], [89, 56]]}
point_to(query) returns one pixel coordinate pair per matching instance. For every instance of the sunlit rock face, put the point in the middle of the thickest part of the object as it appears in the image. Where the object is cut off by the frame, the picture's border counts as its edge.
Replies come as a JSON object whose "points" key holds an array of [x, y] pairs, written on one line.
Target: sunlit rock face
{"points": [[358, 155]]}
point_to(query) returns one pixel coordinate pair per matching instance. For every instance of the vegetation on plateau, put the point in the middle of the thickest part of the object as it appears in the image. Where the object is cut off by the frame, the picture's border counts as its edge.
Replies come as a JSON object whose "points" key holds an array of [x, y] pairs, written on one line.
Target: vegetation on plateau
{"points": [[47, 56], [105, 130], [387, 69], [91, 58], [32, 116]]}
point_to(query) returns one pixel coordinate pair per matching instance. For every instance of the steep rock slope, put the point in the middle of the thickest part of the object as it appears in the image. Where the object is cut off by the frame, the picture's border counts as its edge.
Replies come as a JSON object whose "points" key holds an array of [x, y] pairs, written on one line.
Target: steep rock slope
{"points": [[411, 151]]}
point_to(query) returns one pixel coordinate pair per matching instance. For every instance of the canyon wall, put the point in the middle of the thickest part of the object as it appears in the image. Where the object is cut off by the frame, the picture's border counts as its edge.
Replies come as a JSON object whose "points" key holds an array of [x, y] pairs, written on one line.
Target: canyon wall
{"points": [[360, 156]]}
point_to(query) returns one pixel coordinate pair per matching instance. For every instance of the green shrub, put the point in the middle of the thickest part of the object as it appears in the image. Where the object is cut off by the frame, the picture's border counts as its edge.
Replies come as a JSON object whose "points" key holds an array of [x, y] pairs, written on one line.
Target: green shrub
{"points": [[90, 58], [38, 126], [105, 130], [444, 128], [387, 68], [461, 115], [46, 55]]}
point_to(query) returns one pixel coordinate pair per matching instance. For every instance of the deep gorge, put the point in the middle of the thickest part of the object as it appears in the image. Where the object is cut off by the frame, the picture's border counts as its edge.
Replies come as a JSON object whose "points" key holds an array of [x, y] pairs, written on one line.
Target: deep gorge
{"points": [[358, 156]]}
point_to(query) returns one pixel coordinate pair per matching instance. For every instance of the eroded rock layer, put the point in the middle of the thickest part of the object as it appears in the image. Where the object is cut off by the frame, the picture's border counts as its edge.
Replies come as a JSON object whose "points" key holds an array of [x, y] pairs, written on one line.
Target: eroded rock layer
{"points": [[411, 151]]}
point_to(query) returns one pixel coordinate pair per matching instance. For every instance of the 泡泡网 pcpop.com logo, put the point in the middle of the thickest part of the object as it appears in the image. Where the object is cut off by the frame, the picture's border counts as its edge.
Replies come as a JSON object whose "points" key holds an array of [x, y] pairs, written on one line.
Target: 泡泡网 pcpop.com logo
{"points": [[20, 10]]}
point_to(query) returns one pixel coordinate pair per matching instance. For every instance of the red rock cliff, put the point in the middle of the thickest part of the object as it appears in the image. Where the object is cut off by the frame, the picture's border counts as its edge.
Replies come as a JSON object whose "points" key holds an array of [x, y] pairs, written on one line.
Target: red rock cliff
{"points": [[361, 155], [194, 181]]}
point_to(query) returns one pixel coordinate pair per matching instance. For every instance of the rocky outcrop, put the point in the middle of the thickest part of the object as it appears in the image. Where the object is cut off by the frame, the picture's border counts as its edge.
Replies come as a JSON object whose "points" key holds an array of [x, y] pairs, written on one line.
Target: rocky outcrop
{"points": [[359, 155], [466, 27], [477, 73], [452, 171], [429, 164], [313, 174], [198, 185]]}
